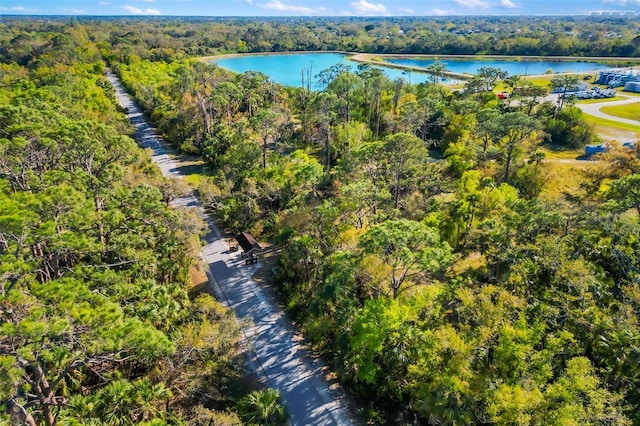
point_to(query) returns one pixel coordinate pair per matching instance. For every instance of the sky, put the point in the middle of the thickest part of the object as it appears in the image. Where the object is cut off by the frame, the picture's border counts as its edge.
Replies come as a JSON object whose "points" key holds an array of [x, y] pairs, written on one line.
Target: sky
{"points": [[314, 7]]}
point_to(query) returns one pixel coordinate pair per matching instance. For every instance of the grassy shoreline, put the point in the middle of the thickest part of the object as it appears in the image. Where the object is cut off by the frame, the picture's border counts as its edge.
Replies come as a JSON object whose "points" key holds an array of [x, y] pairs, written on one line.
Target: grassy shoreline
{"points": [[598, 59], [357, 55], [373, 59], [288, 52], [367, 58]]}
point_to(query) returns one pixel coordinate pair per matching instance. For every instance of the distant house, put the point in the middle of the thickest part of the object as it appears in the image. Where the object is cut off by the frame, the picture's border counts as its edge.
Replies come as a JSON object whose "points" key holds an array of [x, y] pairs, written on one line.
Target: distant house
{"points": [[250, 247]]}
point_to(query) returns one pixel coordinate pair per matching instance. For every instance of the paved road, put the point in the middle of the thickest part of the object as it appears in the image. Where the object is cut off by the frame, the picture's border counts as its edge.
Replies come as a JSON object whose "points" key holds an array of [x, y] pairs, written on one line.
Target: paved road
{"points": [[594, 109], [279, 356]]}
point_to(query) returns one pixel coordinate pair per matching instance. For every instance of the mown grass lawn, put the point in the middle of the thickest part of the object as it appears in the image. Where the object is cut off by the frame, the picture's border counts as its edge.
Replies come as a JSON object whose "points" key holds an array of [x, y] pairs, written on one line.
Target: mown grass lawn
{"points": [[538, 80], [541, 80], [628, 111], [611, 129]]}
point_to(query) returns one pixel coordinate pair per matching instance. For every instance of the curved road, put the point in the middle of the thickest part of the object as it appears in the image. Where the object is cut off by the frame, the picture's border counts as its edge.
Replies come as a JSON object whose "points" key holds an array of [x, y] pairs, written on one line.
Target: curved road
{"points": [[594, 109], [279, 356]]}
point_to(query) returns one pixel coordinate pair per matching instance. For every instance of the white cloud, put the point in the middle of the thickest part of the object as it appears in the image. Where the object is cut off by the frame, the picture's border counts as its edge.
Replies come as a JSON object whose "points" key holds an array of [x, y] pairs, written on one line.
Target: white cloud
{"points": [[623, 2], [282, 7], [508, 4], [76, 11], [366, 8], [408, 11], [472, 4], [438, 12], [147, 1], [136, 11], [17, 9], [104, 3]]}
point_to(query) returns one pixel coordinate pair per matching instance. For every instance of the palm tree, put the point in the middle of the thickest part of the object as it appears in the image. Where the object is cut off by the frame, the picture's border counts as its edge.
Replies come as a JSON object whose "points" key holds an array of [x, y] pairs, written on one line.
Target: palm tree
{"points": [[437, 71], [263, 407]]}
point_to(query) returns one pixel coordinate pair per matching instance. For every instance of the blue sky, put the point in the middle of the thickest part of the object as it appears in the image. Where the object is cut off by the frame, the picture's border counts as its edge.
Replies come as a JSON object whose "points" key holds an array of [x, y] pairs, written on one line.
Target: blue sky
{"points": [[314, 7]]}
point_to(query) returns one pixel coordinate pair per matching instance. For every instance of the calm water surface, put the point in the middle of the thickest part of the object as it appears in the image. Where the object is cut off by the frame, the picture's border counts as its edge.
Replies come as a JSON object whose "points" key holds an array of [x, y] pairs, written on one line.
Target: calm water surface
{"points": [[512, 67], [286, 69]]}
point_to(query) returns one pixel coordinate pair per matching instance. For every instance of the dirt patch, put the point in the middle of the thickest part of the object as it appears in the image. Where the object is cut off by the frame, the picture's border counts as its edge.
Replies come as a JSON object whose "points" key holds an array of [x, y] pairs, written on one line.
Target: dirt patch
{"points": [[612, 134], [269, 257], [199, 280]]}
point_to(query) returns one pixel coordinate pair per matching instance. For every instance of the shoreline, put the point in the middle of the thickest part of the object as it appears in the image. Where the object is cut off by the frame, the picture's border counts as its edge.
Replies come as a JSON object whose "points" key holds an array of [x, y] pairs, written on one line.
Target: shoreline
{"points": [[288, 52], [357, 55], [367, 58], [351, 56], [518, 58]]}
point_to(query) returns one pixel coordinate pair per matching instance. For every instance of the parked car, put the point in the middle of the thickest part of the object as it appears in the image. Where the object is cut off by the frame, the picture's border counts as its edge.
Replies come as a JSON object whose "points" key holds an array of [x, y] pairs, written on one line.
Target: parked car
{"points": [[503, 95]]}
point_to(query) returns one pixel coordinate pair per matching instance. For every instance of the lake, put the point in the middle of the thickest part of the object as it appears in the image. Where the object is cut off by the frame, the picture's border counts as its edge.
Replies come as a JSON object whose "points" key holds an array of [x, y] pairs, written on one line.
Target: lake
{"points": [[529, 67], [286, 68]]}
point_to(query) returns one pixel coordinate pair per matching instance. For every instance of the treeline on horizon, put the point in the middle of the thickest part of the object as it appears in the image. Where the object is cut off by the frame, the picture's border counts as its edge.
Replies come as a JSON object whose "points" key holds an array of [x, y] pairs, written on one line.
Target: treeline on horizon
{"points": [[174, 37], [427, 249]]}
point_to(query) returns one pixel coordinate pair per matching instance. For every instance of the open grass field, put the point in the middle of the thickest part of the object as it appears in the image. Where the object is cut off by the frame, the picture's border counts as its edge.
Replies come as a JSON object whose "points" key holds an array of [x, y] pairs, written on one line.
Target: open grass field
{"points": [[613, 130], [538, 80], [628, 111], [564, 171], [564, 178], [541, 80], [559, 153]]}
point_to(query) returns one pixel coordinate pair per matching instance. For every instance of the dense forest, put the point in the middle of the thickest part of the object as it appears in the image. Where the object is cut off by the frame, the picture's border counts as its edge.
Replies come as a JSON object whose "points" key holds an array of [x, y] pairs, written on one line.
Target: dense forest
{"points": [[99, 319], [169, 38], [476, 36], [423, 250]]}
